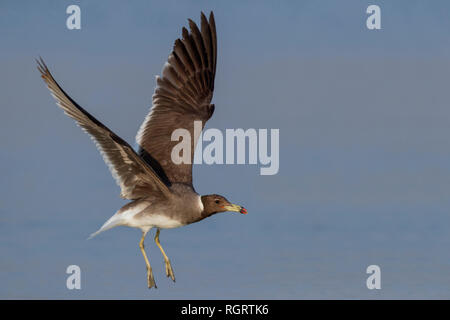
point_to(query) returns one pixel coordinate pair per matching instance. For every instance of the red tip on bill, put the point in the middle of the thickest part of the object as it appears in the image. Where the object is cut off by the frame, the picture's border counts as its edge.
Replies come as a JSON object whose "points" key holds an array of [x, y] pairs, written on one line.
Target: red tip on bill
{"points": [[244, 211]]}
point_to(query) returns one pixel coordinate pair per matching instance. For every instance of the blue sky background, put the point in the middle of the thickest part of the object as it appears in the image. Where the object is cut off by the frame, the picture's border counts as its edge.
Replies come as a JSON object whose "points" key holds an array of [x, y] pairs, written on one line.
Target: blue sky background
{"points": [[364, 176]]}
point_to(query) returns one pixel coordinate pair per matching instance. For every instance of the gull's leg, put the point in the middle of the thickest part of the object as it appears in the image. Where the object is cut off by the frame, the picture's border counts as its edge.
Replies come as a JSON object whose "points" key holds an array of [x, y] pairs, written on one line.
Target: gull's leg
{"points": [[169, 270], [150, 279]]}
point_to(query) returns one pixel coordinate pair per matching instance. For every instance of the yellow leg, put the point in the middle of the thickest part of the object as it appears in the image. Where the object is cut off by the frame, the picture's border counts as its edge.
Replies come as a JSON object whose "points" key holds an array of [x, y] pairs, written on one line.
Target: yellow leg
{"points": [[150, 280], [169, 270]]}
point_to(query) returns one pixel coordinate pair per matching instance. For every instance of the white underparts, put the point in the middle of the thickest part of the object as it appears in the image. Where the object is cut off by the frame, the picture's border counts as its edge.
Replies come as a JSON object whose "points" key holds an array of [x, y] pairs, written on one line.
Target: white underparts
{"points": [[131, 218]]}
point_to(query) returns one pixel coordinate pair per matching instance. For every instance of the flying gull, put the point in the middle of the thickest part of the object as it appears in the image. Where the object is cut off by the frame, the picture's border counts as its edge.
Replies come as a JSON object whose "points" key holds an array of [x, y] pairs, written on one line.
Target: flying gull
{"points": [[161, 191]]}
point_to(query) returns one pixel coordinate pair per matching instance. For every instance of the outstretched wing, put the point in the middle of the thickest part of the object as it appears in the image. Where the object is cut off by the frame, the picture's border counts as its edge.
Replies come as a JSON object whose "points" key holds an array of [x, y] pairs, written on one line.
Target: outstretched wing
{"points": [[134, 176], [183, 94]]}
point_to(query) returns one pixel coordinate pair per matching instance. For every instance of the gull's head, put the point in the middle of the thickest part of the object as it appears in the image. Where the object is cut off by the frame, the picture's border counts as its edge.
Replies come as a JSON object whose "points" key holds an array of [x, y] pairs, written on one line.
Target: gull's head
{"points": [[214, 203]]}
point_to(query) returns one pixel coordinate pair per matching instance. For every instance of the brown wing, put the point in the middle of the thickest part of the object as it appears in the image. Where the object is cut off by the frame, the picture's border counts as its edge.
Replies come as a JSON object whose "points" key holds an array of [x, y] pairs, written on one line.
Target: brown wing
{"points": [[183, 94], [135, 178]]}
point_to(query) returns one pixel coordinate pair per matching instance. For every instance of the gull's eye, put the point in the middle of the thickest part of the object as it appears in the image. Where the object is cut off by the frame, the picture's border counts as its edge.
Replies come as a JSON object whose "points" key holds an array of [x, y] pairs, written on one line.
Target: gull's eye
{"points": [[217, 201]]}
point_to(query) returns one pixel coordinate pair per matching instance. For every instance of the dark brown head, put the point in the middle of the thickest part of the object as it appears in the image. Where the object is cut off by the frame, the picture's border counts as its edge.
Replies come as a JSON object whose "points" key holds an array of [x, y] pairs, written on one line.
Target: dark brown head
{"points": [[214, 203]]}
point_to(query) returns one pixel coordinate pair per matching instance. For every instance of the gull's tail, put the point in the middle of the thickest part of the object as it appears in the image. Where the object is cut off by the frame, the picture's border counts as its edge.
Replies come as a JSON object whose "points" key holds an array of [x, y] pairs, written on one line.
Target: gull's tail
{"points": [[123, 216], [112, 222]]}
